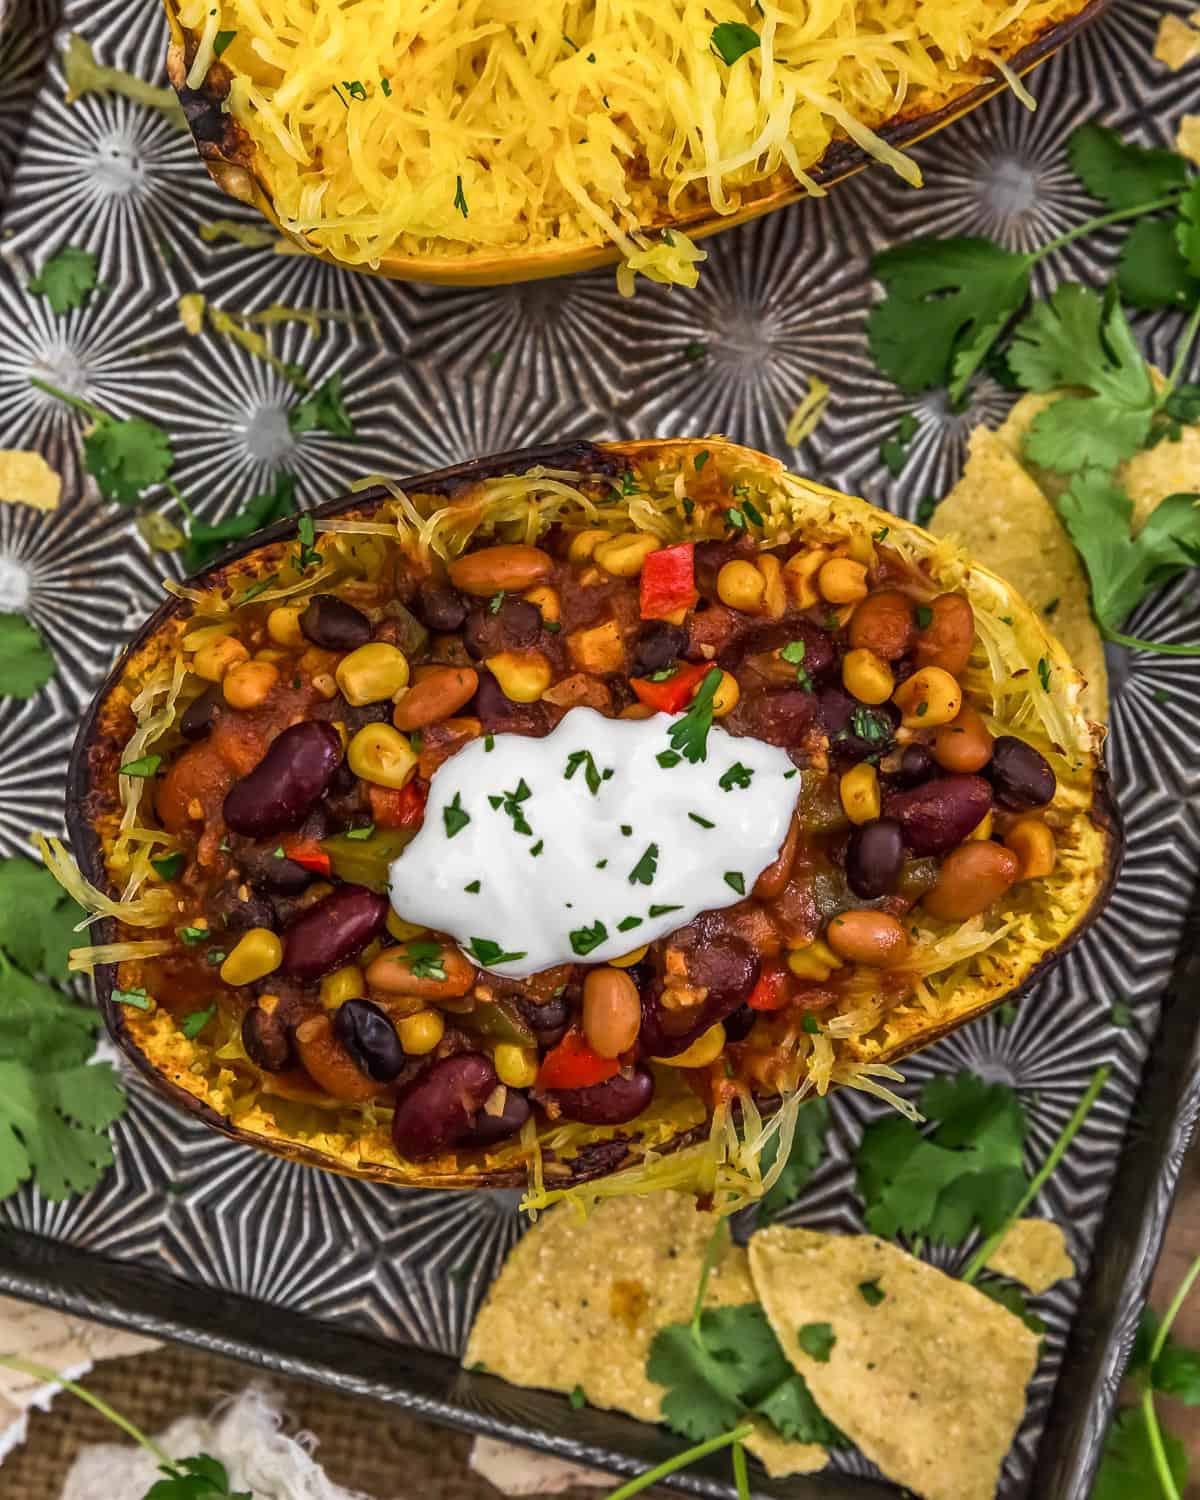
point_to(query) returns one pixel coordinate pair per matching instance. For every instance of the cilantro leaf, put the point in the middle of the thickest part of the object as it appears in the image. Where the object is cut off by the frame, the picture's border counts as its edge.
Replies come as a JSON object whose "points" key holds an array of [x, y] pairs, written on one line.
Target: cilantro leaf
{"points": [[324, 411], [795, 1415], [1151, 271], [817, 1341], [689, 734], [127, 457], [37, 920], [1012, 1298], [1127, 1470], [205, 542], [959, 292], [808, 1147], [52, 1125], [1119, 173], [731, 40], [26, 664], [200, 1478], [1177, 1373], [1187, 229], [66, 279], [967, 1173]]}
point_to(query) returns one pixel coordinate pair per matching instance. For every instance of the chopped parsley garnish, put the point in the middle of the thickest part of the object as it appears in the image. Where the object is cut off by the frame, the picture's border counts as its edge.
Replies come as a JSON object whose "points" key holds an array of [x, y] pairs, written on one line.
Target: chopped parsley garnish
{"points": [[308, 556], [627, 829], [689, 734], [922, 709], [703, 822], [385, 85], [591, 774], [701, 459], [601, 864], [455, 816], [496, 602], [881, 534], [577, 1399], [737, 775], [425, 960], [1044, 673], [255, 589], [169, 866], [538, 847], [787, 775], [867, 725], [553, 626], [360, 833], [752, 513], [485, 953], [661, 911], [924, 617], [736, 519], [355, 88], [793, 653], [817, 1341], [137, 998], [460, 201], [584, 939], [733, 39], [489, 743], [323, 411], [223, 39], [870, 1292], [472, 889], [627, 924], [664, 674], [510, 804], [145, 765], [214, 957], [694, 349], [67, 279], [192, 1025], [193, 935], [668, 758], [811, 1024], [644, 871], [736, 881]]}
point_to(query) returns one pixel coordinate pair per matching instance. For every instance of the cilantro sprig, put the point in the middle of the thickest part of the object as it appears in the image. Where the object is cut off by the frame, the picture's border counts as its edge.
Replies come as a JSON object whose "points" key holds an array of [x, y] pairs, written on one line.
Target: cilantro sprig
{"points": [[67, 279], [689, 734], [125, 455], [26, 663]]}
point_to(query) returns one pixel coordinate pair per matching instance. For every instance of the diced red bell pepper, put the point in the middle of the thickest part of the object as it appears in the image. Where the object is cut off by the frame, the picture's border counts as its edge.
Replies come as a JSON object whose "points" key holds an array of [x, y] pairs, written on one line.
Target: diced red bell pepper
{"points": [[402, 807], [573, 1064], [308, 853], [773, 990], [669, 581], [674, 693]]}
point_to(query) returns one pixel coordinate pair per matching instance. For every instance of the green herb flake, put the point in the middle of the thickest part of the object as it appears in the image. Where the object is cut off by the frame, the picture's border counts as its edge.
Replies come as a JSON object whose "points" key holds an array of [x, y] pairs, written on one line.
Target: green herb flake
{"points": [[817, 1341], [222, 40], [460, 200], [362, 833], [496, 602], [169, 866], [737, 775], [1044, 673], [627, 924], [689, 733], [668, 758], [585, 939], [323, 411], [736, 881], [733, 39], [924, 616], [537, 848], [485, 953], [473, 889], [136, 998], [194, 1023], [489, 743], [870, 1292], [591, 773], [66, 279], [577, 1399], [455, 816], [703, 822], [193, 936], [145, 766], [662, 911], [811, 1025], [644, 871], [424, 960], [1121, 1014]]}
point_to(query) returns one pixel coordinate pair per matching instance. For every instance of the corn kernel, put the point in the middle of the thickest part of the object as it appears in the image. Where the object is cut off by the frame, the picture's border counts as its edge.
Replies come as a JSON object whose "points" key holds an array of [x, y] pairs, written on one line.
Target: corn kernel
{"points": [[623, 555], [842, 581], [523, 676], [1032, 842], [544, 599], [421, 1033], [401, 930], [928, 698], [342, 985], [372, 674], [380, 754], [584, 543], [800, 575], [984, 828], [325, 684], [283, 626], [517, 1067], [741, 586], [707, 1047], [816, 962], [212, 661], [866, 677], [859, 791], [627, 960], [774, 591], [257, 953], [726, 696]]}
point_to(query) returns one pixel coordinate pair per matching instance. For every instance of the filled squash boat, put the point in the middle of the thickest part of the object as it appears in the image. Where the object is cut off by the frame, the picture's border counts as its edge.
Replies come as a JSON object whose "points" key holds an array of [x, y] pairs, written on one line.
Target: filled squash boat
{"points": [[472, 143], [538, 816]]}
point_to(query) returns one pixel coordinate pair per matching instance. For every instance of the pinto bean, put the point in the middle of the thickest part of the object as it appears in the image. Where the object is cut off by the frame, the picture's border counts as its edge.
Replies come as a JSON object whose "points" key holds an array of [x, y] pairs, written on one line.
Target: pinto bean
{"points": [[392, 973], [964, 744], [510, 568], [947, 640], [614, 1102], [441, 1107], [883, 623], [332, 932], [938, 815], [287, 783], [328, 1063], [868, 937], [970, 879], [612, 1011], [436, 696]]}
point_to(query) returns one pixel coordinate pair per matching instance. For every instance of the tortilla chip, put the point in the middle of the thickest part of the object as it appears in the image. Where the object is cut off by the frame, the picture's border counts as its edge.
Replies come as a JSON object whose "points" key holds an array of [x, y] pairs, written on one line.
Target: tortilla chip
{"points": [[1000, 516], [1187, 138], [1033, 1252], [929, 1382], [27, 479], [1178, 41], [578, 1302]]}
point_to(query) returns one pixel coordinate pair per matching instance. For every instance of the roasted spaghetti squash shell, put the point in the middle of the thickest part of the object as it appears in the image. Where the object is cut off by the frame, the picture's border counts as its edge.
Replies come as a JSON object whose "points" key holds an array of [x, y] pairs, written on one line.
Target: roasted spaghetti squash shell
{"points": [[1040, 920], [229, 154]]}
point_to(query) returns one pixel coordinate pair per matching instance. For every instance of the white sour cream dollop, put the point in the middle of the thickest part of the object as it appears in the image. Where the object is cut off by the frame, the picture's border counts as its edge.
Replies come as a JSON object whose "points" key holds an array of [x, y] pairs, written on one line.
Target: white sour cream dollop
{"points": [[527, 867]]}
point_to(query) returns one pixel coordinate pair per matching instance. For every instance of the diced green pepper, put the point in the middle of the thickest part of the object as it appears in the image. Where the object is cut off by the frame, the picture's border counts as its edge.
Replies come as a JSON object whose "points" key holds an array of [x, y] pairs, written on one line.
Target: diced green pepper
{"points": [[366, 861]]}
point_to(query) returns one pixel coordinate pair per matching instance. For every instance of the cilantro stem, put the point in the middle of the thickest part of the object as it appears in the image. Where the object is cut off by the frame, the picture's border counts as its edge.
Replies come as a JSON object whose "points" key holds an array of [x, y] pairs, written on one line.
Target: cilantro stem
{"points": [[716, 1243], [1057, 1152], [1181, 355], [1168, 201], [52, 1377], [1136, 643], [1153, 1432], [76, 401], [740, 1477], [682, 1460]]}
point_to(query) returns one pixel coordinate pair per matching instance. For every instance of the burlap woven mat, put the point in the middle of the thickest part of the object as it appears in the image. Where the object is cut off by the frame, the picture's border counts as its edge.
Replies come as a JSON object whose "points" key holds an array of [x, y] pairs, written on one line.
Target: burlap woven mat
{"points": [[363, 1445]]}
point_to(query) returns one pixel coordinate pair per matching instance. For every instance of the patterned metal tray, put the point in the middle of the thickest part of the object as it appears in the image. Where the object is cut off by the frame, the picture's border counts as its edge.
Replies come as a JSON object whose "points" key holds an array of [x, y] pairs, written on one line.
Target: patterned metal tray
{"points": [[370, 1289]]}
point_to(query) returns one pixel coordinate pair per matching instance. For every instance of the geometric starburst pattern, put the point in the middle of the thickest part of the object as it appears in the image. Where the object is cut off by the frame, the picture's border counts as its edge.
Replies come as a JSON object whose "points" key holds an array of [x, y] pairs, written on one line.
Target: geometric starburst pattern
{"points": [[376, 1288]]}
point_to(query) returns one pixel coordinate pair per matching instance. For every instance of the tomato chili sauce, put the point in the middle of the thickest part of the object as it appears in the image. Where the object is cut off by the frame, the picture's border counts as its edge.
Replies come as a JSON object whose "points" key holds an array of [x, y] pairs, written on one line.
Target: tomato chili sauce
{"points": [[317, 711]]}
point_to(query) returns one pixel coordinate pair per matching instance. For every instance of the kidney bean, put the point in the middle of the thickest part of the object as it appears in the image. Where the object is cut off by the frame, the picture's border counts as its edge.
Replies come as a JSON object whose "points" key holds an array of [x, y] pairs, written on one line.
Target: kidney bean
{"points": [[947, 640], [440, 607], [200, 715], [510, 567], [515, 625], [334, 625], [854, 729], [883, 623], [938, 815], [370, 1038], [332, 932], [488, 1129], [781, 718], [971, 878], [440, 1108], [724, 965], [613, 1102], [287, 783], [916, 765], [658, 644], [267, 1041], [1020, 775], [875, 858]]}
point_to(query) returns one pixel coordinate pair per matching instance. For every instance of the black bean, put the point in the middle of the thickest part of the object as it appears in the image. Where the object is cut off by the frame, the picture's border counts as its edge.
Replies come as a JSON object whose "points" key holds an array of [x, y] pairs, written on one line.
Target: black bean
{"points": [[495, 712], [1020, 775], [267, 1041], [739, 1025], [659, 643], [332, 932], [368, 1035], [200, 716], [266, 869], [875, 858], [488, 1129], [855, 731], [916, 765], [549, 1021], [334, 625], [613, 1102], [233, 913], [512, 627], [440, 1108], [780, 718], [287, 783], [442, 609]]}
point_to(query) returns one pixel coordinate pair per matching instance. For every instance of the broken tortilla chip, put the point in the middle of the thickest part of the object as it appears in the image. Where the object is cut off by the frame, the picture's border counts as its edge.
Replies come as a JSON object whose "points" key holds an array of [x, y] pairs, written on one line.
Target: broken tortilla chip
{"points": [[1187, 138], [1178, 41], [903, 1376], [1033, 1252], [578, 1302], [999, 514], [27, 479]]}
